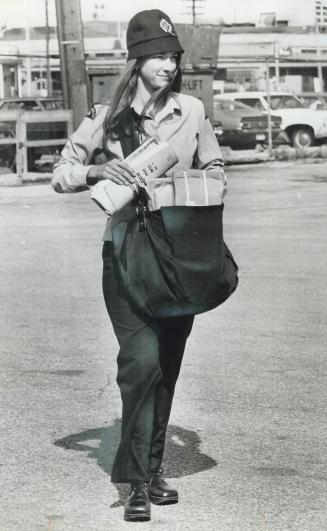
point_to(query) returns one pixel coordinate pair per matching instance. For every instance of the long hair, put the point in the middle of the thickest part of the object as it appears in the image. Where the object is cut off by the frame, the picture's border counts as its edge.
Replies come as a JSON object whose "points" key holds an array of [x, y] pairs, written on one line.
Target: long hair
{"points": [[126, 90]]}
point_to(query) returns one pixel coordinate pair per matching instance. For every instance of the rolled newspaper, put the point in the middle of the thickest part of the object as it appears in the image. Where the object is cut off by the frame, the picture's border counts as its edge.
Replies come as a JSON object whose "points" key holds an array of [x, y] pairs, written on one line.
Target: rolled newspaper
{"points": [[150, 160]]}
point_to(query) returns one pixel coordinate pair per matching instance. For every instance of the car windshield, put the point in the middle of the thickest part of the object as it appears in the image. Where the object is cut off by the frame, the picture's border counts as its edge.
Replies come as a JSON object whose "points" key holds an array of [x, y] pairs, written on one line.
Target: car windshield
{"points": [[229, 105], [284, 102], [29, 105], [52, 105]]}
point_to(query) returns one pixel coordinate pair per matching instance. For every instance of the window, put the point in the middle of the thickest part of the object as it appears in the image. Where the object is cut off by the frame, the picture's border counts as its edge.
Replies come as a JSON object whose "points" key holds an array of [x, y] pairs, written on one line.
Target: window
{"points": [[229, 105], [52, 105], [284, 102], [41, 84], [252, 102], [46, 130], [29, 105]]}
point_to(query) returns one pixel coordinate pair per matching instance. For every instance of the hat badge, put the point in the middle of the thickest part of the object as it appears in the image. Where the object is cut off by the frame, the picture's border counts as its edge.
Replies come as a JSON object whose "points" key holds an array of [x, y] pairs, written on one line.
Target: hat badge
{"points": [[166, 26]]}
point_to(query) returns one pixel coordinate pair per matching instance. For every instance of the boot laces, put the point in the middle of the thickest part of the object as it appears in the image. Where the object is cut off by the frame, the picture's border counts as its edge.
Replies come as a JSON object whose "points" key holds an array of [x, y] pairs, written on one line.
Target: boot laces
{"points": [[160, 473], [139, 484]]}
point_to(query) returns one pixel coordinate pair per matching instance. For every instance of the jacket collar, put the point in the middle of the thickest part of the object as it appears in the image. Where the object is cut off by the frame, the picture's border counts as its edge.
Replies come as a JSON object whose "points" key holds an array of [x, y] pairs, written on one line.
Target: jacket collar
{"points": [[171, 107]]}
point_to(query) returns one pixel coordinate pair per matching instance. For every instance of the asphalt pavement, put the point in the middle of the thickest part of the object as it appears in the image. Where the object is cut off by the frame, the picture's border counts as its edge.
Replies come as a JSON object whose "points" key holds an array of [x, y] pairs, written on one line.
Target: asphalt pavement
{"points": [[248, 435]]}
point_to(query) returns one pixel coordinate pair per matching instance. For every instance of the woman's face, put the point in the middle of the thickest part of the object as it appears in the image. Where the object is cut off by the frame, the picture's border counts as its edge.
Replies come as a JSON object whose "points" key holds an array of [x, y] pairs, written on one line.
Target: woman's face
{"points": [[157, 70]]}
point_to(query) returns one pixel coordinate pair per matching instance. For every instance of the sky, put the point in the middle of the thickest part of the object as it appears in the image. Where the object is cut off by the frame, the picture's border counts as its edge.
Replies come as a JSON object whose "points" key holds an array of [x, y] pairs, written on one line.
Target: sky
{"points": [[15, 13]]}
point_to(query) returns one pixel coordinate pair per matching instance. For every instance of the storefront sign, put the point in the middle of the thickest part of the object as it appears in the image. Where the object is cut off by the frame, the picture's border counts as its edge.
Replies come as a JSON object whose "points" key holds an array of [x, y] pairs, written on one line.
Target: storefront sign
{"points": [[199, 84]]}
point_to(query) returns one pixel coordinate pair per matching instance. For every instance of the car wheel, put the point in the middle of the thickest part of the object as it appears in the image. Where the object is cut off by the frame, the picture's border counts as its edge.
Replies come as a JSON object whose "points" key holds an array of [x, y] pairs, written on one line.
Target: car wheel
{"points": [[302, 137]]}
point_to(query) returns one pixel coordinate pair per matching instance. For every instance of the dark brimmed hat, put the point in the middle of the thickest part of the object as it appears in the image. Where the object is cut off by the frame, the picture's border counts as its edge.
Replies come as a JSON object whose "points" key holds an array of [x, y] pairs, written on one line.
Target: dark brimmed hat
{"points": [[150, 32]]}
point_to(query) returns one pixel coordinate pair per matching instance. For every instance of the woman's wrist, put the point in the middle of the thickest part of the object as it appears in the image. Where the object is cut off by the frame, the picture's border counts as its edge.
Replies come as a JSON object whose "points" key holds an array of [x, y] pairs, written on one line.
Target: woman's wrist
{"points": [[93, 175], [94, 172]]}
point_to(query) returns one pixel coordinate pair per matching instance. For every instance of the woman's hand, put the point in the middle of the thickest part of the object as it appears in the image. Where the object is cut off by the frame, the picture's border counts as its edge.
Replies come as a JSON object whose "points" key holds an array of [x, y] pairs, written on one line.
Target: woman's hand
{"points": [[115, 170]]}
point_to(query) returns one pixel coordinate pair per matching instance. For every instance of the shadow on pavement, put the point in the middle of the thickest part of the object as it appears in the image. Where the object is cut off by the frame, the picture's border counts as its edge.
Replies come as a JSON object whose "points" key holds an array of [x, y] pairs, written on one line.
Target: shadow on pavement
{"points": [[182, 453]]}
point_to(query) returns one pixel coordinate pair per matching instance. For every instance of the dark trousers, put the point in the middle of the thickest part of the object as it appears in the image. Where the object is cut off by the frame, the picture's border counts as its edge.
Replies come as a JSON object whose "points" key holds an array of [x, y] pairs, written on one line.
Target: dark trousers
{"points": [[149, 361]]}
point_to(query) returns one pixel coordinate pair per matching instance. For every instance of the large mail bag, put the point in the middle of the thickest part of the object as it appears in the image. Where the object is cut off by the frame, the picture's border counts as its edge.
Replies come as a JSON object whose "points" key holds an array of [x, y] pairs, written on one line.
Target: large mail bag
{"points": [[174, 261]]}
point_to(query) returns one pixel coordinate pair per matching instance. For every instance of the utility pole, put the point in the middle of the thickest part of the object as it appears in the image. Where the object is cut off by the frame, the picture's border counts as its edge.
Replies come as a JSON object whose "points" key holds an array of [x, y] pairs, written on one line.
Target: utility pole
{"points": [[47, 49], [195, 4], [72, 59], [277, 71], [319, 65], [269, 109], [28, 60]]}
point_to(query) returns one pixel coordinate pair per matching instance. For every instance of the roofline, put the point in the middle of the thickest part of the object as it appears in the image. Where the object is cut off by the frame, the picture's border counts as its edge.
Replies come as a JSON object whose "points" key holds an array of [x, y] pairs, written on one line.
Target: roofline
{"points": [[255, 93]]}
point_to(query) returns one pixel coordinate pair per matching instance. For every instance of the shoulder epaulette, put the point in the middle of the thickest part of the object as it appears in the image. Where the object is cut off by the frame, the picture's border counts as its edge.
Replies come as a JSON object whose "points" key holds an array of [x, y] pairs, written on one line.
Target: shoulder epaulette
{"points": [[92, 112], [95, 108]]}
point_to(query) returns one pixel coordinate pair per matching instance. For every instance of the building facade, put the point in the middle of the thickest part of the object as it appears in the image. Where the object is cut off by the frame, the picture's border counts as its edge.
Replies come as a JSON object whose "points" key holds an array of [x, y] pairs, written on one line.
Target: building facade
{"points": [[320, 14], [295, 57]]}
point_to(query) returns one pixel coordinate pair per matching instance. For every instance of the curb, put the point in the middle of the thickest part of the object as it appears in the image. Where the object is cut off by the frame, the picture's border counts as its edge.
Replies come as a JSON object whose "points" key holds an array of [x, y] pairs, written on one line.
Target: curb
{"points": [[12, 179], [281, 153], [289, 153], [246, 156]]}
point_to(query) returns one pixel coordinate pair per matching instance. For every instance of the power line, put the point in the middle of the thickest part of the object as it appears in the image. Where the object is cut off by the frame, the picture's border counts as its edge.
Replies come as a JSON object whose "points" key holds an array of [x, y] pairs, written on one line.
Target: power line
{"points": [[196, 7], [24, 55]]}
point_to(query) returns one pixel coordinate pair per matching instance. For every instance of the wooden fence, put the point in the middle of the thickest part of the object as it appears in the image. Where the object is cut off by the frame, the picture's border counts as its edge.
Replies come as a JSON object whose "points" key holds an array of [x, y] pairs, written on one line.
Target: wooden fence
{"points": [[15, 130]]}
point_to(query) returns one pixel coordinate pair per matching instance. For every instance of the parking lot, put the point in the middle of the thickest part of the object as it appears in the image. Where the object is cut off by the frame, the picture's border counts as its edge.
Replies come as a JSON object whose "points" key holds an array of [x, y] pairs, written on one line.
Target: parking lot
{"points": [[246, 444]]}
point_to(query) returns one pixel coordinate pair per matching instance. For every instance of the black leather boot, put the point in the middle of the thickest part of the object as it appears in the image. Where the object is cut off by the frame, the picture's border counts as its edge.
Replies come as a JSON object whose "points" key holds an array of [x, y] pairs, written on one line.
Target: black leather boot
{"points": [[160, 492], [137, 505]]}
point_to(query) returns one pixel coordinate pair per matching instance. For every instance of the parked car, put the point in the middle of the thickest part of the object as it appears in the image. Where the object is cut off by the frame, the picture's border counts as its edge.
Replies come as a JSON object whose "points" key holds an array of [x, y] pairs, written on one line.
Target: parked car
{"points": [[34, 131], [218, 129], [31, 104], [242, 126], [313, 101], [303, 126]]}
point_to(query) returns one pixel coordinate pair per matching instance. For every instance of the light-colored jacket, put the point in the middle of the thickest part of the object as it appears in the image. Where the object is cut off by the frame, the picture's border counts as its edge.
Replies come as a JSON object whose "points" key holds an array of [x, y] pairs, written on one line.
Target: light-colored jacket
{"points": [[182, 122]]}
